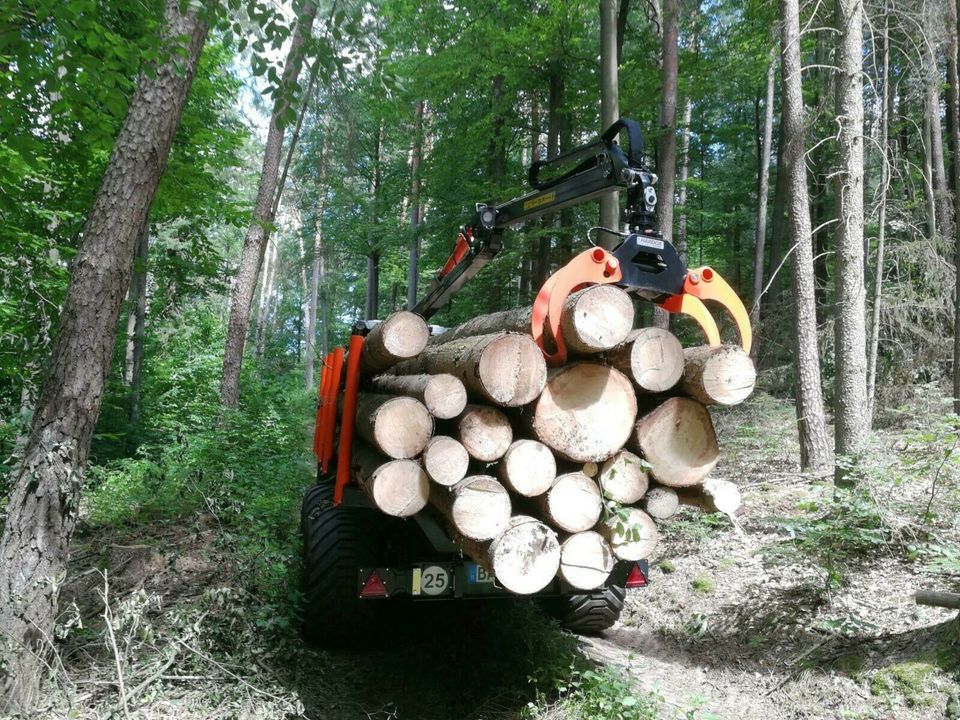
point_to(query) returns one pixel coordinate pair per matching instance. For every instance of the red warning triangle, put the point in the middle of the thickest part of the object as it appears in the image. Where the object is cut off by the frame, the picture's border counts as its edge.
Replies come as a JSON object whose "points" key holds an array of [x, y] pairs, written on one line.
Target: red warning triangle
{"points": [[374, 586], [636, 578]]}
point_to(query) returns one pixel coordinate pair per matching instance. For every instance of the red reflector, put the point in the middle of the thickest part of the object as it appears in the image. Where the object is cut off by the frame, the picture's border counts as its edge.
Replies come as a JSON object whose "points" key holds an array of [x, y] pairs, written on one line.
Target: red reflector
{"points": [[374, 586], [636, 578]]}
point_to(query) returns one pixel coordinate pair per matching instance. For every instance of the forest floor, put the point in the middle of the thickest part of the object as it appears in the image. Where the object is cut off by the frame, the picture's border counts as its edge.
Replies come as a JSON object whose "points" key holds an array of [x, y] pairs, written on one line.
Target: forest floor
{"points": [[803, 609]]}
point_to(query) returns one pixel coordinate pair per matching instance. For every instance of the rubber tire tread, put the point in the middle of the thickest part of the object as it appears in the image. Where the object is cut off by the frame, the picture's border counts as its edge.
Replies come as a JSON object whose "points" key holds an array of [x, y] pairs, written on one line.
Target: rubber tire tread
{"points": [[337, 541], [589, 614]]}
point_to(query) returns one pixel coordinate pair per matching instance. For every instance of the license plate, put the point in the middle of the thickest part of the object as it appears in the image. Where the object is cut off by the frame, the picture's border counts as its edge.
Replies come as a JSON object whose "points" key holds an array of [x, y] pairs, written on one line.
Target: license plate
{"points": [[476, 575]]}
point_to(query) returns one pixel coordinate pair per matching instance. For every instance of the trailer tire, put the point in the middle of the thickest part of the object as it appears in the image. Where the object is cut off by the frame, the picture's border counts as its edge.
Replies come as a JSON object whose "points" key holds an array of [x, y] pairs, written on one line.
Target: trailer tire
{"points": [[337, 540], [588, 614]]}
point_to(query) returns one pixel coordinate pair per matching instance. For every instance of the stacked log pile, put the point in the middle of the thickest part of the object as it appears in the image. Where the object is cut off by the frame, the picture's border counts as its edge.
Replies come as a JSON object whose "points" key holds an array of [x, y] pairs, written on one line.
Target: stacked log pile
{"points": [[536, 471]]}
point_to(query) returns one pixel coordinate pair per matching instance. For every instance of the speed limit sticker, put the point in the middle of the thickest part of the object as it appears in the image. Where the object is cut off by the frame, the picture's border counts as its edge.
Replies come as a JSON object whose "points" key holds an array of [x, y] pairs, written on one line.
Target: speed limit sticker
{"points": [[433, 580]]}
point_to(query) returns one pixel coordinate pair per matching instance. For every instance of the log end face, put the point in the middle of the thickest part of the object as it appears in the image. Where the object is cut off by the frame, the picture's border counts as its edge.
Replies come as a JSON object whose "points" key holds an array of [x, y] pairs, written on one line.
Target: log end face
{"points": [[512, 370], [729, 376], [404, 334], [632, 538], [445, 396], [586, 560], [485, 432], [601, 318], [481, 508], [400, 488], [445, 460], [403, 427], [624, 478], [526, 556], [529, 468], [678, 440], [661, 503], [656, 359], [574, 502]]}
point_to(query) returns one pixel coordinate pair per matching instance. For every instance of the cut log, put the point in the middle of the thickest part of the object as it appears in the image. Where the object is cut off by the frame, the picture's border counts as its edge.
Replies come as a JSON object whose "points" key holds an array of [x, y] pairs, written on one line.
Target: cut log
{"points": [[401, 336], [678, 440], [623, 478], [661, 502], [478, 507], [595, 319], [485, 432], [397, 487], [398, 427], [590, 469], [528, 468], [525, 557], [443, 394], [503, 368], [586, 412], [633, 537], [586, 560], [651, 357], [573, 503], [718, 375], [714, 495], [934, 598], [445, 460]]}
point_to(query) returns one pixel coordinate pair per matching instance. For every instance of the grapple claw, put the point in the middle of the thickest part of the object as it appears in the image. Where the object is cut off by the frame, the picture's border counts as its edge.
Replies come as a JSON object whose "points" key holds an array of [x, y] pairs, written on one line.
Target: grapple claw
{"points": [[704, 283]]}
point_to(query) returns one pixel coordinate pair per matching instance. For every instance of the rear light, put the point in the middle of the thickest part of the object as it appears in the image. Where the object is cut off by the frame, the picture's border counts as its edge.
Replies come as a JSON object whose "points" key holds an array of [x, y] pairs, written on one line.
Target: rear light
{"points": [[373, 587], [636, 578]]}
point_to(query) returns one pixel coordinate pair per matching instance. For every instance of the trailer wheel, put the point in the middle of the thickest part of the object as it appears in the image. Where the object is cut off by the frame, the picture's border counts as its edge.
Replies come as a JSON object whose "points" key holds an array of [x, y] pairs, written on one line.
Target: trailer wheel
{"points": [[588, 614], [337, 540]]}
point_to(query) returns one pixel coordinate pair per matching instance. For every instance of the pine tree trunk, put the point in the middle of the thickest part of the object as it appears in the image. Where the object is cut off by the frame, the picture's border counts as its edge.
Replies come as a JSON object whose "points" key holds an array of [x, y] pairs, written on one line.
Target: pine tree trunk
{"points": [[609, 108], [136, 331], [372, 304], [416, 157], [953, 108], [809, 394], [255, 242], [777, 222], [681, 242], [941, 194], [42, 510], [317, 278], [760, 234], [850, 332], [266, 297]]}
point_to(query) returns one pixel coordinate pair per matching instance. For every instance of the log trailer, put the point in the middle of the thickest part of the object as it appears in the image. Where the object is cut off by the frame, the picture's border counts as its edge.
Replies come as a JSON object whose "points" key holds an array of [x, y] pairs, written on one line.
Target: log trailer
{"points": [[356, 557]]}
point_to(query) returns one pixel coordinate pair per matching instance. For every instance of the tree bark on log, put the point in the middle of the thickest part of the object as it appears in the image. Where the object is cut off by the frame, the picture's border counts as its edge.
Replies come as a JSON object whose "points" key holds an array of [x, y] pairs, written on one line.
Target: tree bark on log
{"points": [[573, 503], [652, 357], [586, 412], [718, 375], [586, 560], [403, 335], [478, 507], [594, 319], [678, 440], [661, 502], [397, 487], [485, 432], [443, 394], [524, 558], [528, 468], [503, 368], [445, 460], [632, 538], [714, 495], [398, 427], [623, 478]]}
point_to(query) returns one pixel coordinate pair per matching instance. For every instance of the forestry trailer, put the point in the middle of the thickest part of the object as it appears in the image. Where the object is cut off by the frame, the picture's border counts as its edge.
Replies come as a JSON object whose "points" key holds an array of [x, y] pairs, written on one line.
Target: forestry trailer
{"points": [[406, 504]]}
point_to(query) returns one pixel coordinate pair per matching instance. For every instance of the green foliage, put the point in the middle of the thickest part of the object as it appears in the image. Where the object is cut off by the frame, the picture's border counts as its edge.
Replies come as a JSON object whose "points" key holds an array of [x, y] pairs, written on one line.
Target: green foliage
{"points": [[605, 694]]}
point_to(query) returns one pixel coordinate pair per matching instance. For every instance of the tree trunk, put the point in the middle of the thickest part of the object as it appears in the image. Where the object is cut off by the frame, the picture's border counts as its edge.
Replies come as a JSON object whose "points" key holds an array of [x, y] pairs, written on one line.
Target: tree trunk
{"points": [[586, 560], [372, 305], [941, 194], [504, 368], [763, 171], [573, 503], [398, 427], [585, 413], [623, 478], [445, 460], [881, 221], [651, 357], [632, 538], [681, 242], [498, 146], [478, 507], [718, 375], [266, 297], [809, 394], [443, 395], [403, 335], [528, 468], [42, 509], [485, 432], [255, 242], [850, 332], [667, 140], [397, 487], [777, 222], [416, 211], [678, 440], [317, 276], [136, 323], [953, 107], [609, 108]]}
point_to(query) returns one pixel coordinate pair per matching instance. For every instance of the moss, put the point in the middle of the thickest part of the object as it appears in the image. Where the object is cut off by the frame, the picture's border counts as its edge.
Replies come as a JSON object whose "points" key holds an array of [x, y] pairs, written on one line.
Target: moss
{"points": [[703, 585], [667, 567], [908, 680]]}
